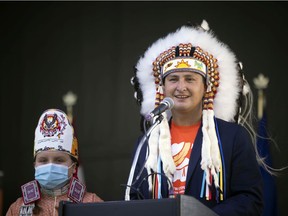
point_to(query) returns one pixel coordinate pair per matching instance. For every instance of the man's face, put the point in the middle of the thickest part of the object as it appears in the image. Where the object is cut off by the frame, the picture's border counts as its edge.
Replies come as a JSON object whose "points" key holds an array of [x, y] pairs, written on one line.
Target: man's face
{"points": [[186, 89]]}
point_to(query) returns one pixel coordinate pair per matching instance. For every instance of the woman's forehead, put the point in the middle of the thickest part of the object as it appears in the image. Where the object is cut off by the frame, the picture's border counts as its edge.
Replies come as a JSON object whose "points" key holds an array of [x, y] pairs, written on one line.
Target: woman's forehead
{"points": [[52, 154]]}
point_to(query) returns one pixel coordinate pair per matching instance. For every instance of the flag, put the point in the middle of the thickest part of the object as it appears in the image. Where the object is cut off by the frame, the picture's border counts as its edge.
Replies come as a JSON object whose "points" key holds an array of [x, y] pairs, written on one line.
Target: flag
{"points": [[270, 190]]}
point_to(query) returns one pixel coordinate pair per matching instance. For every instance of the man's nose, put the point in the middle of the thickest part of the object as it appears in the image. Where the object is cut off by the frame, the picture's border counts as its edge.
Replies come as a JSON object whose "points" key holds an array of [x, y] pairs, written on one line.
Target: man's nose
{"points": [[181, 85]]}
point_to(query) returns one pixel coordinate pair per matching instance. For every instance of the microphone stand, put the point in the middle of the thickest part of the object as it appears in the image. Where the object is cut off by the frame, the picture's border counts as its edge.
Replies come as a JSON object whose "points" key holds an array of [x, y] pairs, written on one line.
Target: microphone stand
{"points": [[142, 141]]}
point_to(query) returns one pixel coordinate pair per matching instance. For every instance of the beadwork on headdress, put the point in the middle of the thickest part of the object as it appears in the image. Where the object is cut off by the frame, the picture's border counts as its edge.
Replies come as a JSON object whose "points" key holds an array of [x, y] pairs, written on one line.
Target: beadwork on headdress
{"points": [[54, 132]]}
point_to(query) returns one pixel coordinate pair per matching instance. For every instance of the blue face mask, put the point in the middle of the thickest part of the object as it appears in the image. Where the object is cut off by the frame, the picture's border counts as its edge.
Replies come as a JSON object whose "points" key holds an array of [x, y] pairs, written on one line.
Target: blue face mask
{"points": [[52, 176]]}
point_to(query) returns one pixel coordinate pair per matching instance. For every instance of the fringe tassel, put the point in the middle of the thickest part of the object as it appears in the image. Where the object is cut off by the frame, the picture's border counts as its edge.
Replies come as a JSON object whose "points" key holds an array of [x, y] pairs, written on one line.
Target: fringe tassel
{"points": [[206, 162], [215, 153], [160, 144], [211, 162]]}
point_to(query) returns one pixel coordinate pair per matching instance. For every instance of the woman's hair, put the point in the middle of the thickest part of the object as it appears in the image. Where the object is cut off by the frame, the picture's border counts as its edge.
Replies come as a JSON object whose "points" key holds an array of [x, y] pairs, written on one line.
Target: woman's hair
{"points": [[74, 160], [37, 209]]}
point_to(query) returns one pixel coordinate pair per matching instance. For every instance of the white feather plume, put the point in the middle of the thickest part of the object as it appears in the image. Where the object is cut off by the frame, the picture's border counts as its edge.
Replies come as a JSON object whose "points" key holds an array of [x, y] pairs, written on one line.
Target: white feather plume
{"points": [[225, 102], [205, 25]]}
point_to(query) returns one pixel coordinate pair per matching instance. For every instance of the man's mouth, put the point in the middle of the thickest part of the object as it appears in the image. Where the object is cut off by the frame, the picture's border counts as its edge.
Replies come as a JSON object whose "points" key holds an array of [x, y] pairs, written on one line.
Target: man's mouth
{"points": [[181, 96]]}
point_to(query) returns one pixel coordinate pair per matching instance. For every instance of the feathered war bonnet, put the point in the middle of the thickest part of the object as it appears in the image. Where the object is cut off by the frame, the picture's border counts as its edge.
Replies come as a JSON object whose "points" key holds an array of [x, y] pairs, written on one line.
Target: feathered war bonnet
{"points": [[203, 53]]}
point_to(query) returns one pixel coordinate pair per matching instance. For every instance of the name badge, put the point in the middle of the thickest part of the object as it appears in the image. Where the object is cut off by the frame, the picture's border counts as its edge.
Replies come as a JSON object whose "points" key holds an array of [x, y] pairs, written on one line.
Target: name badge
{"points": [[30, 192], [76, 190]]}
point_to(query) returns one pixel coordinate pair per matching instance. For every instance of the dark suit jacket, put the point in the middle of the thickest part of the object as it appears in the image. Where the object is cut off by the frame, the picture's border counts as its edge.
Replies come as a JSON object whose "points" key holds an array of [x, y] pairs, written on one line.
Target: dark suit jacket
{"points": [[243, 181]]}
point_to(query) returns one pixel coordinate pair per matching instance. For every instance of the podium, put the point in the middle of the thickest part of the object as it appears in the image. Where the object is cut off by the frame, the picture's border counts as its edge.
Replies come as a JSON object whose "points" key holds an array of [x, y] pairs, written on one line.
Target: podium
{"points": [[182, 205]]}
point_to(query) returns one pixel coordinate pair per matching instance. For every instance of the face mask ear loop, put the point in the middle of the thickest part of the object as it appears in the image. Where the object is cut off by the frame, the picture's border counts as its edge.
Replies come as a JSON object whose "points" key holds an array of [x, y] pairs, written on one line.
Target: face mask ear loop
{"points": [[71, 165]]}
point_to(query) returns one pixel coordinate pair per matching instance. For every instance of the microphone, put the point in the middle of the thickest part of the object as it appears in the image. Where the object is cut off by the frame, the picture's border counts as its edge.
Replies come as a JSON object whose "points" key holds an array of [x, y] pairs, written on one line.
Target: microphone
{"points": [[165, 104]]}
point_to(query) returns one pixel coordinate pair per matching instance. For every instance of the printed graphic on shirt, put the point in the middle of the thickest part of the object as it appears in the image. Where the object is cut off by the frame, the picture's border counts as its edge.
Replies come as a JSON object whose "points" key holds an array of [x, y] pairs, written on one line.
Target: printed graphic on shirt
{"points": [[181, 154], [182, 139]]}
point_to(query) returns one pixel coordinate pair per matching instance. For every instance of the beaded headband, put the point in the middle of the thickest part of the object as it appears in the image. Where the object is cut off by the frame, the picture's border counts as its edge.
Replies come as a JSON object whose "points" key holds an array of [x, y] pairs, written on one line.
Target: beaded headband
{"points": [[183, 64]]}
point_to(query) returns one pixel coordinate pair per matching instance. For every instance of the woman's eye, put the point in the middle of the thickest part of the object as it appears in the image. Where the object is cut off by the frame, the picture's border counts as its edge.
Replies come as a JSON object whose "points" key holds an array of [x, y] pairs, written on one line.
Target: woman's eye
{"points": [[41, 160], [59, 161]]}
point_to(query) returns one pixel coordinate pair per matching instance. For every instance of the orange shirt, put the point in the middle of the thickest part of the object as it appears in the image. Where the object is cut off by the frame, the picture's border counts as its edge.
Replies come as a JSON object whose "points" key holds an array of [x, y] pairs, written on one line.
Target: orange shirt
{"points": [[182, 139]]}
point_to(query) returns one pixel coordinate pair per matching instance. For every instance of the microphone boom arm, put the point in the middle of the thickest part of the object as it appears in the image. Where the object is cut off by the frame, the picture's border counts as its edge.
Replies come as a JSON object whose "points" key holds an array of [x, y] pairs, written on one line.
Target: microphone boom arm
{"points": [[142, 141]]}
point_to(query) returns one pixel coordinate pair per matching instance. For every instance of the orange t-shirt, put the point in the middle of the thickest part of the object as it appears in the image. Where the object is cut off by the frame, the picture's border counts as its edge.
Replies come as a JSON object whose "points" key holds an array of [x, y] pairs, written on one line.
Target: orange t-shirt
{"points": [[182, 140]]}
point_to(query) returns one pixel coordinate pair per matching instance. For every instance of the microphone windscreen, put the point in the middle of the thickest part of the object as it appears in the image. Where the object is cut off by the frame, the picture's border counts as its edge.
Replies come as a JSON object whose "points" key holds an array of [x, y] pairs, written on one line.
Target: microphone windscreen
{"points": [[169, 101]]}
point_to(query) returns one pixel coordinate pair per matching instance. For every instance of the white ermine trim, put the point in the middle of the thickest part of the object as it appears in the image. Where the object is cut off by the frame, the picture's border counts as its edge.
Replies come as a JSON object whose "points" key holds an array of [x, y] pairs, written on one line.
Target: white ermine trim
{"points": [[206, 162], [151, 163], [165, 150], [215, 153]]}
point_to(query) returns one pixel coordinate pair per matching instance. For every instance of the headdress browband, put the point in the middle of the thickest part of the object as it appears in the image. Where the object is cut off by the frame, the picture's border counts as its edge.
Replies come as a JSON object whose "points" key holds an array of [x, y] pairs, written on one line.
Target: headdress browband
{"points": [[183, 64]]}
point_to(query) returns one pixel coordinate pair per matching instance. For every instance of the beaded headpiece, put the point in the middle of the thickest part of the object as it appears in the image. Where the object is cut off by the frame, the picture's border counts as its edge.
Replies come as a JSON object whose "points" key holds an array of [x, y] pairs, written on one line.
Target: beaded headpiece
{"points": [[194, 49], [54, 132], [200, 62]]}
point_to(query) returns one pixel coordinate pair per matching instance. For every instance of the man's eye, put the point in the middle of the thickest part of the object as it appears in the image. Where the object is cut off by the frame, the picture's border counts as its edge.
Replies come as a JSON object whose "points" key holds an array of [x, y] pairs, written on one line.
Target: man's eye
{"points": [[172, 79], [190, 79]]}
